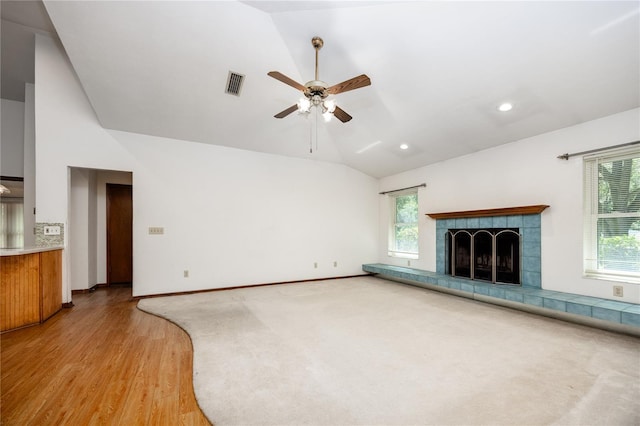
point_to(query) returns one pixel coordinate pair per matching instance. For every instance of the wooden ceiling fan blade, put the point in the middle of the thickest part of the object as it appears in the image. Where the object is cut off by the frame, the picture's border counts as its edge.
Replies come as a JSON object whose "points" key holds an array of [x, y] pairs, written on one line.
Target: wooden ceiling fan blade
{"points": [[286, 112], [286, 80], [351, 84], [341, 115]]}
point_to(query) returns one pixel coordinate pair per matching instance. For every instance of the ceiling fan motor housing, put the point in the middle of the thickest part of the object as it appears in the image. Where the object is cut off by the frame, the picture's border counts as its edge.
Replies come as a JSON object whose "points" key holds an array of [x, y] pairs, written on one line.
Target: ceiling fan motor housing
{"points": [[316, 87]]}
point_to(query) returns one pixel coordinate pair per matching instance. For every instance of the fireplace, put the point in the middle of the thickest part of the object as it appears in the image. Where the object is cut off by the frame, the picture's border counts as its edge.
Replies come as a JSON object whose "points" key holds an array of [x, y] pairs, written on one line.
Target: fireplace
{"points": [[487, 254], [498, 246]]}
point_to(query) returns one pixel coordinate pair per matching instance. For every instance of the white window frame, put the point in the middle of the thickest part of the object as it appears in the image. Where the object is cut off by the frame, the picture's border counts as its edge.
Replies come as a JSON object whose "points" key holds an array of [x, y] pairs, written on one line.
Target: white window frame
{"points": [[591, 216], [392, 251]]}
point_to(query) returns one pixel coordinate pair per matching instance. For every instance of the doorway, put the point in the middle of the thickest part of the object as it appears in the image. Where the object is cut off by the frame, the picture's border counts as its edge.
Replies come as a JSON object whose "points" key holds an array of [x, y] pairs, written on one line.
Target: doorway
{"points": [[119, 234]]}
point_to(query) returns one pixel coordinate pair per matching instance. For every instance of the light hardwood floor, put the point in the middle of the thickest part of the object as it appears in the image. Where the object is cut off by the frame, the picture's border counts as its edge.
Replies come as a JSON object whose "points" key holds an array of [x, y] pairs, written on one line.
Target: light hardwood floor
{"points": [[101, 362]]}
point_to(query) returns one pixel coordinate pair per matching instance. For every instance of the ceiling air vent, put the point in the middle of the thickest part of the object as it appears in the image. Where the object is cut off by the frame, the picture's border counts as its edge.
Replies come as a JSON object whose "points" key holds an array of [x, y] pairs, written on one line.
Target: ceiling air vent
{"points": [[234, 83]]}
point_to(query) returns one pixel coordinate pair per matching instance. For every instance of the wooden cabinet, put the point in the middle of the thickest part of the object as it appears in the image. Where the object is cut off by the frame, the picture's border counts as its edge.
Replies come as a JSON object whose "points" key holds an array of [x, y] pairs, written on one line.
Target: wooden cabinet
{"points": [[30, 288]]}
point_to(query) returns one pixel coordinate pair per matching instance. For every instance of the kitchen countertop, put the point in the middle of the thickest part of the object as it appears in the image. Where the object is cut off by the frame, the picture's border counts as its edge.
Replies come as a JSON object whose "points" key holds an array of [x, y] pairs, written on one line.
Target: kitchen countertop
{"points": [[27, 250]]}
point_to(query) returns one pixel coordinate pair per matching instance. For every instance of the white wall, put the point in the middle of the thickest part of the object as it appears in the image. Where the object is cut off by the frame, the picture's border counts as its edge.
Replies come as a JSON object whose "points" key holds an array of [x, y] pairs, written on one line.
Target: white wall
{"points": [[525, 172], [12, 136], [82, 229], [29, 165], [234, 217], [231, 217]]}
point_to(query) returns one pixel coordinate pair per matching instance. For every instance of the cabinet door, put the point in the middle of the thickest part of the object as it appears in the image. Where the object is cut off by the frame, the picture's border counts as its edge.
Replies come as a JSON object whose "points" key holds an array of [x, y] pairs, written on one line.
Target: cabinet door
{"points": [[50, 283], [19, 291]]}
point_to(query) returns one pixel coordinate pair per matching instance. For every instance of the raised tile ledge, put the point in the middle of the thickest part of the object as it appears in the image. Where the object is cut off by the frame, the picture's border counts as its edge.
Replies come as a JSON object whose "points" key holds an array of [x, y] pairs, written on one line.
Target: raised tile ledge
{"points": [[594, 311]]}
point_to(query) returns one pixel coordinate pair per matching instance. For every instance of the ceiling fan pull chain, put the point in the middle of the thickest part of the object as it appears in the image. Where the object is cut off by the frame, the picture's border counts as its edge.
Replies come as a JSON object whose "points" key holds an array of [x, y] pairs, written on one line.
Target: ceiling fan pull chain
{"points": [[310, 137]]}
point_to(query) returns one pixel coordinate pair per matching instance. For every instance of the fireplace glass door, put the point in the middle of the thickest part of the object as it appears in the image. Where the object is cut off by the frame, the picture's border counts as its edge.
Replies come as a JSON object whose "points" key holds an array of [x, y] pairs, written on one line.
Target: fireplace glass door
{"points": [[484, 254], [462, 258], [508, 257]]}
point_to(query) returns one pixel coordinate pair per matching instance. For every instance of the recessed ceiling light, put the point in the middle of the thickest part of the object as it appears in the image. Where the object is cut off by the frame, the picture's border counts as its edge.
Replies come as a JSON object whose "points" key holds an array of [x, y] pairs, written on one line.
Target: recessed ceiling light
{"points": [[404, 146], [505, 107]]}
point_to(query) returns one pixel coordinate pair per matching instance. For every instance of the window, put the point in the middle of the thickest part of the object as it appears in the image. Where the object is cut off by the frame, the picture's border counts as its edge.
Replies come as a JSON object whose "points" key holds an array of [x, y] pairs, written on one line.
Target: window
{"points": [[11, 223], [612, 216], [403, 241]]}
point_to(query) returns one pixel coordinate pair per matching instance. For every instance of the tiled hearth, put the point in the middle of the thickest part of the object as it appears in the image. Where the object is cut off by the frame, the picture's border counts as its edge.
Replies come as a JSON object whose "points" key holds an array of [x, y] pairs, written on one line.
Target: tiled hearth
{"points": [[557, 304], [529, 296]]}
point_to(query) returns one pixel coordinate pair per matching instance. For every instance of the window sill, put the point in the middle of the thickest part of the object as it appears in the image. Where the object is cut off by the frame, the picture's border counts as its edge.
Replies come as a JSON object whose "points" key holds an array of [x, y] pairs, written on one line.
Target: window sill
{"points": [[612, 277], [403, 255]]}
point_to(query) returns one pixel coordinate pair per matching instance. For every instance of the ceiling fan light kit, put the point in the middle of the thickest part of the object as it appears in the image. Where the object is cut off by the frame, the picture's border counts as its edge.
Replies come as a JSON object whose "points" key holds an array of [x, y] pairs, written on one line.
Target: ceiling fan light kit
{"points": [[316, 91]]}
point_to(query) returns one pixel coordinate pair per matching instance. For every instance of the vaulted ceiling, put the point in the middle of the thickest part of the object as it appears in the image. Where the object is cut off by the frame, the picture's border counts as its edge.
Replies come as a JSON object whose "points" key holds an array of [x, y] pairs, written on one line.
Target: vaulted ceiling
{"points": [[439, 70]]}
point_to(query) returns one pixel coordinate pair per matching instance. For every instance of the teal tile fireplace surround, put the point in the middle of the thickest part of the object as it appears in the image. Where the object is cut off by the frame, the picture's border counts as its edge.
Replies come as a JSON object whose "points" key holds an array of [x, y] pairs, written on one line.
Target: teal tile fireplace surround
{"points": [[528, 226]]}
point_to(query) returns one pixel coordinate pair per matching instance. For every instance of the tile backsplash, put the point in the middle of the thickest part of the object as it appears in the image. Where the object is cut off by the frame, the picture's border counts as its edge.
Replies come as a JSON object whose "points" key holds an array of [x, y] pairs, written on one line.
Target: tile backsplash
{"points": [[43, 240]]}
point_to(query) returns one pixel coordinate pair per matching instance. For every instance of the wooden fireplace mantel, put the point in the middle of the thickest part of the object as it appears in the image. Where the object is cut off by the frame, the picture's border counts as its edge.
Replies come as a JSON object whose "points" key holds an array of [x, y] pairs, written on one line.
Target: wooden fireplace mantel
{"points": [[505, 211]]}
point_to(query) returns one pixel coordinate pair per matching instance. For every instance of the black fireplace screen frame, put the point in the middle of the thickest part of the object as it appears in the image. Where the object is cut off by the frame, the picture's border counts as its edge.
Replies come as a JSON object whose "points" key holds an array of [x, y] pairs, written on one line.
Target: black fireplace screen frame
{"points": [[489, 254]]}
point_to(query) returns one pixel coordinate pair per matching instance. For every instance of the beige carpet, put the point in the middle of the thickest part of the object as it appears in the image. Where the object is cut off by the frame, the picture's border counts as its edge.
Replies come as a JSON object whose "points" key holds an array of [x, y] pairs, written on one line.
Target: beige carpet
{"points": [[366, 351]]}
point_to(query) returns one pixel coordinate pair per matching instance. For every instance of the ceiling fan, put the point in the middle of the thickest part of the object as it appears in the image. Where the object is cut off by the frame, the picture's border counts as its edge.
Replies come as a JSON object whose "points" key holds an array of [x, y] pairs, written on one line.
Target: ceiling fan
{"points": [[317, 91]]}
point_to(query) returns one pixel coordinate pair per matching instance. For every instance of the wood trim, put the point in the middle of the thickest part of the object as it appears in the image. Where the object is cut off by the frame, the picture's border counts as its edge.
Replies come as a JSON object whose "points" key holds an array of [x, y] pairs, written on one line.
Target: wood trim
{"points": [[89, 290], [181, 293], [505, 211]]}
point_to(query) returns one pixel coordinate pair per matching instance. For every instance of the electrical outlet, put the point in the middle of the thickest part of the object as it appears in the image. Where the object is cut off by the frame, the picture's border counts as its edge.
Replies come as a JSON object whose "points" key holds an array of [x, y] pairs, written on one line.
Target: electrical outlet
{"points": [[186, 273], [156, 230], [51, 230], [618, 290], [335, 263], [315, 265]]}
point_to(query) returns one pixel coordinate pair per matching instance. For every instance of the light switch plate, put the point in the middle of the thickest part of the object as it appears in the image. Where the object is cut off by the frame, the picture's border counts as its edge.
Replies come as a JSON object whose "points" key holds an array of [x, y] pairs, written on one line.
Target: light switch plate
{"points": [[156, 230]]}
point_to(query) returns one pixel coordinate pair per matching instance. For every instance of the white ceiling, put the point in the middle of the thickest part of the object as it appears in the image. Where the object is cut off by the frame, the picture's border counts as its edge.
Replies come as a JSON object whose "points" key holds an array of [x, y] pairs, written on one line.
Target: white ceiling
{"points": [[438, 71]]}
